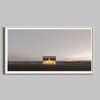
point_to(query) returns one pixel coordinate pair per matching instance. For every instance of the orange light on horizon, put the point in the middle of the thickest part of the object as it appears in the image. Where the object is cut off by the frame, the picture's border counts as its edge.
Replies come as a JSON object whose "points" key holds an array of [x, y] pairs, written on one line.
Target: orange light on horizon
{"points": [[80, 59], [74, 59]]}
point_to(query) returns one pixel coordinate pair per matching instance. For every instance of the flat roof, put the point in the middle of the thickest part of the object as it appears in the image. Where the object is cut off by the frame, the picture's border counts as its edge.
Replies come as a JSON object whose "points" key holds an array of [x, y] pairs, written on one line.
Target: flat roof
{"points": [[49, 56]]}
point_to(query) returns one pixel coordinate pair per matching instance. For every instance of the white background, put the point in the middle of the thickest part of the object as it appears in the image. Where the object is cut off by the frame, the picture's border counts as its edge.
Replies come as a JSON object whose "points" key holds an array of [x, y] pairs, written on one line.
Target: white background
{"points": [[50, 13]]}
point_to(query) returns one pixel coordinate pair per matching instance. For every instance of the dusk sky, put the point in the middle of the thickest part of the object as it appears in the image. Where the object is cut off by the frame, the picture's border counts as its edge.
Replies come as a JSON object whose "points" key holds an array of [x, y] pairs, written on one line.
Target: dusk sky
{"points": [[66, 45]]}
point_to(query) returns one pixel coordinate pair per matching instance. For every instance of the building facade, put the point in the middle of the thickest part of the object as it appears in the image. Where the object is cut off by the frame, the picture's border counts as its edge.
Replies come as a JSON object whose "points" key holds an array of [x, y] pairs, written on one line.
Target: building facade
{"points": [[49, 60]]}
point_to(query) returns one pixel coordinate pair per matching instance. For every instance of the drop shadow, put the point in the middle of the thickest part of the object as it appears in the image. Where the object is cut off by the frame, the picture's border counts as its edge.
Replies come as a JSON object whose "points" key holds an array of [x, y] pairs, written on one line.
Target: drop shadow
{"points": [[3, 31]]}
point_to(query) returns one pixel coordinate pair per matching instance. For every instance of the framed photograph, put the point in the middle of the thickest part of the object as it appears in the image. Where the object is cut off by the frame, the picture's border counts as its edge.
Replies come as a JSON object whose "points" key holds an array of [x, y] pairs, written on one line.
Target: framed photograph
{"points": [[49, 50]]}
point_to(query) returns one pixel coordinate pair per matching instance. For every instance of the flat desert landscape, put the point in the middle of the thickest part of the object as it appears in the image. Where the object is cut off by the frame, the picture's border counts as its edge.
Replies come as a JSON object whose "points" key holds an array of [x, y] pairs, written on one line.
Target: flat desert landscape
{"points": [[60, 66]]}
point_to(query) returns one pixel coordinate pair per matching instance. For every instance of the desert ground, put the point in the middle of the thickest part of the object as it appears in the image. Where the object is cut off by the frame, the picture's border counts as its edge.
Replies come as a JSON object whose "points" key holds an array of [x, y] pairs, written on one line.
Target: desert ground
{"points": [[60, 66]]}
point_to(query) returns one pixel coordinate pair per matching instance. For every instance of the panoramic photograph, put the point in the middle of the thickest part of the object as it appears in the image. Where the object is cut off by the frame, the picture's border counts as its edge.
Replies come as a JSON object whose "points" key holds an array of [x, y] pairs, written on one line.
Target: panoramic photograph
{"points": [[48, 50]]}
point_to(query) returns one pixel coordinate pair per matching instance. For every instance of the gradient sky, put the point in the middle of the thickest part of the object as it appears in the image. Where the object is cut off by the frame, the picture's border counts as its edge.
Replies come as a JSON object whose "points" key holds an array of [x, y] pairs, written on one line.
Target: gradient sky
{"points": [[66, 45]]}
